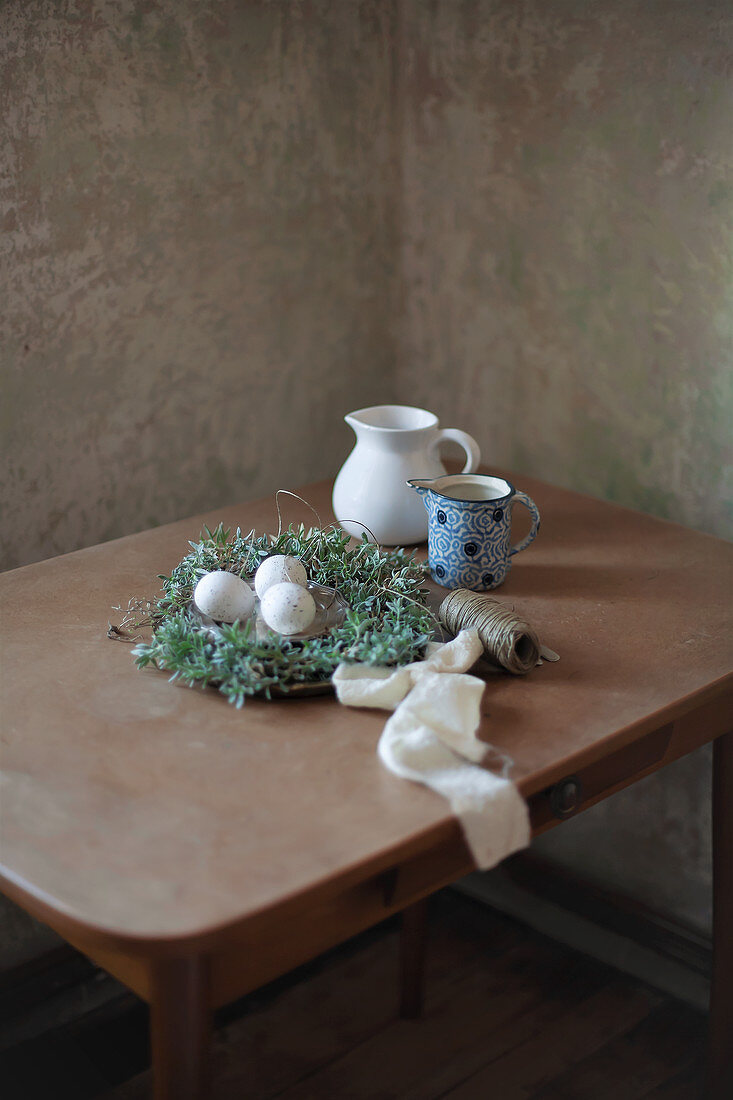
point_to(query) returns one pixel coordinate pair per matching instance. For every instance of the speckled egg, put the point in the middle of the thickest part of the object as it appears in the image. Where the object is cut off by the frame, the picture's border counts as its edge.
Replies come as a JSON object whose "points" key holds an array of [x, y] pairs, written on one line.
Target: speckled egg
{"points": [[224, 597], [288, 608], [278, 569]]}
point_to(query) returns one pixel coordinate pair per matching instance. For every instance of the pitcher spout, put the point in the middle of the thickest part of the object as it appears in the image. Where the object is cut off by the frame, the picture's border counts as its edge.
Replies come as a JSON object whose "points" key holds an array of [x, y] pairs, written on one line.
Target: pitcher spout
{"points": [[421, 486], [353, 421]]}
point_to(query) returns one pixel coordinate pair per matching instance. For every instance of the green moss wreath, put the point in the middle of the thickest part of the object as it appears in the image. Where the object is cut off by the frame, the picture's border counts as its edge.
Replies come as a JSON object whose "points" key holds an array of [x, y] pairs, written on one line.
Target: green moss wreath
{"points": [[388, 622]]}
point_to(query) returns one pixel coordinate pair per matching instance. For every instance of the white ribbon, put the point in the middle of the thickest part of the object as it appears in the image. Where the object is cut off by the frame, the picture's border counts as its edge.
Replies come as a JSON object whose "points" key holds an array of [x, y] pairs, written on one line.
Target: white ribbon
{"points": [[431, 739]]}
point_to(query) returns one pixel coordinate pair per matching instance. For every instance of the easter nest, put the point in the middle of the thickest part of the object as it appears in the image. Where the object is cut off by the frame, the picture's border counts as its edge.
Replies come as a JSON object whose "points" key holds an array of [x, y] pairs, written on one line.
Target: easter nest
{"points": [[383, 616]]}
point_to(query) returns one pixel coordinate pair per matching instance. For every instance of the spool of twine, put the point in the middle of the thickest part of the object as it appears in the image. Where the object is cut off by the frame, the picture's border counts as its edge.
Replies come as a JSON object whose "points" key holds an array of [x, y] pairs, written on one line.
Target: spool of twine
{"points": [[508, 640]]}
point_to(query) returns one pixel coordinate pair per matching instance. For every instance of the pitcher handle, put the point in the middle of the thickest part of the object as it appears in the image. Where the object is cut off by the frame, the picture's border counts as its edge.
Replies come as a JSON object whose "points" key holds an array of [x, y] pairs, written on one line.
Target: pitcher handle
{"points": [[469, 444], [522, 498]]}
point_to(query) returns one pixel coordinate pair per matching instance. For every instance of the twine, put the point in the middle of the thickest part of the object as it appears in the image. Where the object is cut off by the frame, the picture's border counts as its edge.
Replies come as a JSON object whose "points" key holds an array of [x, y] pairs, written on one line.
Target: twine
{"points": [[508, 640], [297, 496]]}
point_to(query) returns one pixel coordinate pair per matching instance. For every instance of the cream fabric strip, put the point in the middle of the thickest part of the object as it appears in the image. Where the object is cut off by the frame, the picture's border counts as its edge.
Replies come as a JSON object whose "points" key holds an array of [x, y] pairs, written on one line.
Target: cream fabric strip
{"points": [[431, 739]]}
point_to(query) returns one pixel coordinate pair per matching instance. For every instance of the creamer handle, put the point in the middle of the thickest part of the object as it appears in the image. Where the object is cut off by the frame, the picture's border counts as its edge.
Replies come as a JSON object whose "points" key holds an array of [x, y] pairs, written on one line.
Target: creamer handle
{"points": [[469, 444], [522, 498]]}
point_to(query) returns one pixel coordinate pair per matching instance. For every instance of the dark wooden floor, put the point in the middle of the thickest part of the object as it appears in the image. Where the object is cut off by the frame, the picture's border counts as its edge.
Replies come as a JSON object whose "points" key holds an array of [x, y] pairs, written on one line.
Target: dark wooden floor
{"points": [[508, 1014]]}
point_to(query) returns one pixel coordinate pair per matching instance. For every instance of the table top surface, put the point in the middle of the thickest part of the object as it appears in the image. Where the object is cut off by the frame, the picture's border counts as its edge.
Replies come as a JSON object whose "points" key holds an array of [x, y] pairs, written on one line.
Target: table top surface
{"points": [[142, 809]]}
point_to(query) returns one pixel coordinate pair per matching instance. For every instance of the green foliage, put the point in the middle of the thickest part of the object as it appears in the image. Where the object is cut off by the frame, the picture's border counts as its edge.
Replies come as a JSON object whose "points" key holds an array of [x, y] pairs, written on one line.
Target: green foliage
{"points": [[388, 622]]}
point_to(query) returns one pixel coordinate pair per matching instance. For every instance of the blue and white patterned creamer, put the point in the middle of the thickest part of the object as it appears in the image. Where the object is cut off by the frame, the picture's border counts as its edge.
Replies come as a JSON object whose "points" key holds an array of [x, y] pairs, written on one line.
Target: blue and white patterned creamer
{"points": [[469, 528]]}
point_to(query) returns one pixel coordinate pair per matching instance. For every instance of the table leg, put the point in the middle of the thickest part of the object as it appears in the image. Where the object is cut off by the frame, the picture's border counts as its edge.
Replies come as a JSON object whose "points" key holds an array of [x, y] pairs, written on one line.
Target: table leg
{"points": [[720, 1050], [180, 1025], [412, 959]]}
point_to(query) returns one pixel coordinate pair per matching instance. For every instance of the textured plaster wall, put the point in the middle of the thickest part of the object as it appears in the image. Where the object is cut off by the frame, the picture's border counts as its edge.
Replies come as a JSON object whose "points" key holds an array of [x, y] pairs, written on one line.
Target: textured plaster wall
{"points": [[568, 240], [567, 212], [196, 267]]}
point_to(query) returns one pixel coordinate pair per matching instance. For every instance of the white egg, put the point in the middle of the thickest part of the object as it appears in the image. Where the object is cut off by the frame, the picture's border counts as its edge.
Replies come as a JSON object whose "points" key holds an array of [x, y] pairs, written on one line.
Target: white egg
{"points": [[224, 597], [288, 608], [278, 569]]}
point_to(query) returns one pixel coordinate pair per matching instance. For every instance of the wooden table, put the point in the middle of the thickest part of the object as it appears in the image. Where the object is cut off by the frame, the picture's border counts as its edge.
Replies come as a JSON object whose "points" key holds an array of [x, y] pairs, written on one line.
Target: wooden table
{"points": [[196, 851]]}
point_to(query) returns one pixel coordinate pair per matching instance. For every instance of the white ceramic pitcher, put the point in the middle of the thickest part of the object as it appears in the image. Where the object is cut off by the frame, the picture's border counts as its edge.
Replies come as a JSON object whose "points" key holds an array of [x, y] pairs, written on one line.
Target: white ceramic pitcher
{"points": [[393, 444]]}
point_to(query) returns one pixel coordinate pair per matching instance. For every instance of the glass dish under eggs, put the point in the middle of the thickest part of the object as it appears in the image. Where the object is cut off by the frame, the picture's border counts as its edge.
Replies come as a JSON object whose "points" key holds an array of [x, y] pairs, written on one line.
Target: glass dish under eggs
{"points": [[331, 609]]}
